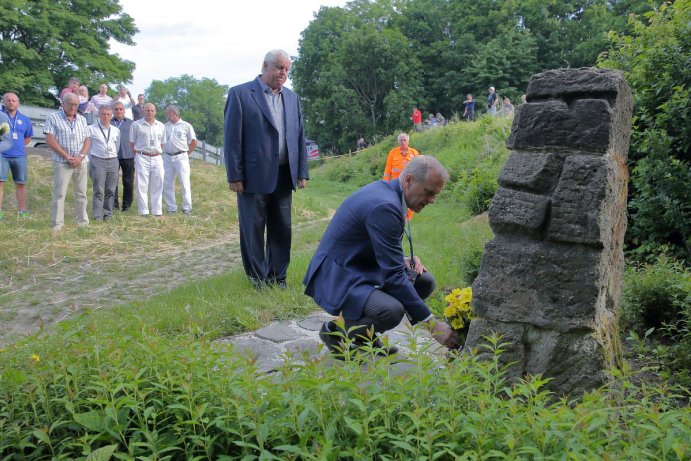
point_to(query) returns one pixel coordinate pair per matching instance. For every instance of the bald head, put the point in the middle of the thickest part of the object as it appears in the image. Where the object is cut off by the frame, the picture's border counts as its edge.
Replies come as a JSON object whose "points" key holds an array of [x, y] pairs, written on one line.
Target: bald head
{"points": [[11, 102], [149, 112]]}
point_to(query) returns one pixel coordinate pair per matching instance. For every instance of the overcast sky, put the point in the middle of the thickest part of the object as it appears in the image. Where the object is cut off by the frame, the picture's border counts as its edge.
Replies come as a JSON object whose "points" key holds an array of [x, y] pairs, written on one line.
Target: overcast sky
{"points": [[225, 41]]}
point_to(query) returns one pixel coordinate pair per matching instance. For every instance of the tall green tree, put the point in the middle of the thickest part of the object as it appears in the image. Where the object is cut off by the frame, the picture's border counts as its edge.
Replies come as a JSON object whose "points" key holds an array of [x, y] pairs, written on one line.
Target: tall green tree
{"points": [[355, 75], [201, 103], [656, 57], [431, 53], [45, 42]]}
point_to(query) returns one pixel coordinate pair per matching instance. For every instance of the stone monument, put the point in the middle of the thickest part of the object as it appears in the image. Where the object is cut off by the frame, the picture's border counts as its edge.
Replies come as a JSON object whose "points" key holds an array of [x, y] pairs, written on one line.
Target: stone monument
{"points": [[550, 280]]}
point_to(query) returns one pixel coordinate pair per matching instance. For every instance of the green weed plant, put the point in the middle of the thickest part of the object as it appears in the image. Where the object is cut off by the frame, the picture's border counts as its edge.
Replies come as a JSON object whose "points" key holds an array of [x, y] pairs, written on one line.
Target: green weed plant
{"points": [[143, 396]]}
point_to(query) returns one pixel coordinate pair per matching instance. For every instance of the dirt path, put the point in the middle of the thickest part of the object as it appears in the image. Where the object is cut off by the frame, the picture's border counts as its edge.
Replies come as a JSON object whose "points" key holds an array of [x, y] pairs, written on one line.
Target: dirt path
{"points": [[58, 291], [65, 287]]}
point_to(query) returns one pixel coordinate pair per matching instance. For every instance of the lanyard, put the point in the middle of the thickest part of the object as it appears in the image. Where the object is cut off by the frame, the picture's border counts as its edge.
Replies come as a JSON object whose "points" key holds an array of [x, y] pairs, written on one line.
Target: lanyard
{"points": [[406, 227], [410, 241], [12, 125], [103, 132]]}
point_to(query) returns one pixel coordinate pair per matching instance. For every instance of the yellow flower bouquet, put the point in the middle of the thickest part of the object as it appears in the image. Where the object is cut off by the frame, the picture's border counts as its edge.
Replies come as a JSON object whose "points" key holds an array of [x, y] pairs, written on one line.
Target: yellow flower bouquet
{"points": [[458, 311], [4, 128]]}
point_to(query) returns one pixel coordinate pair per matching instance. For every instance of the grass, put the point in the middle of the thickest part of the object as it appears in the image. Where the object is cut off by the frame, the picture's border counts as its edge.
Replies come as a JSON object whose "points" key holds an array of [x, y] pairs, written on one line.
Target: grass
{"points": [[144, 379]]}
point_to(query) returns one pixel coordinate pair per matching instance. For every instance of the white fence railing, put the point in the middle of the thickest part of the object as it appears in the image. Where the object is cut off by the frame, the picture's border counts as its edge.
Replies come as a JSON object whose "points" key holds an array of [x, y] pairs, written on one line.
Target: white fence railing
{"points": [[38, 115]]}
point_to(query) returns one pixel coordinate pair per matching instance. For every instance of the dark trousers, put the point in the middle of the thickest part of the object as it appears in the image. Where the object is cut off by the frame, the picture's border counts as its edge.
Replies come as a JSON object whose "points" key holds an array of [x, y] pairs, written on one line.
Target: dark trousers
{"points": [[384, 312], [266, 260], [127, 167]]}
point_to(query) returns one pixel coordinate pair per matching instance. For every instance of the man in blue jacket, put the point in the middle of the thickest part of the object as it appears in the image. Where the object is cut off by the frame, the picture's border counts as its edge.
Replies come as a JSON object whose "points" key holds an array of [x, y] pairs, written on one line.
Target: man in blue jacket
{"points": [[266, 159], [359, 269]]}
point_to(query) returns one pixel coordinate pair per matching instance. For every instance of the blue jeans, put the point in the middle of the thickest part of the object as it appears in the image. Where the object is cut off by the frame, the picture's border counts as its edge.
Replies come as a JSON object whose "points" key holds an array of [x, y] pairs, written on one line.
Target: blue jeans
{"points": [[19, 167]]}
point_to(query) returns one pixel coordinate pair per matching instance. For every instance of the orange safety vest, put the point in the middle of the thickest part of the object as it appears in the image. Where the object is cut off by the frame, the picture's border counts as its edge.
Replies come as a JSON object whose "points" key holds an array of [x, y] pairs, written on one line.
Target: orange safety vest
{"points": [[395, 163]]}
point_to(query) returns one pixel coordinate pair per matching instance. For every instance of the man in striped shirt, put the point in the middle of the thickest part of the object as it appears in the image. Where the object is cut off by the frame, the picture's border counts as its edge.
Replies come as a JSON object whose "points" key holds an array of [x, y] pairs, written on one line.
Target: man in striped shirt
{"points": [[102, 98], [67, 135]]}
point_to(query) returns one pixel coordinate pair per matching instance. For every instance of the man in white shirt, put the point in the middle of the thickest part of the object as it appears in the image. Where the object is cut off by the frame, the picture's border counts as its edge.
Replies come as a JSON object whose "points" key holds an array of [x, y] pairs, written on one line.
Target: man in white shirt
{"points": [[67, 136], [146, 139], [180, 142], [103, 163]]}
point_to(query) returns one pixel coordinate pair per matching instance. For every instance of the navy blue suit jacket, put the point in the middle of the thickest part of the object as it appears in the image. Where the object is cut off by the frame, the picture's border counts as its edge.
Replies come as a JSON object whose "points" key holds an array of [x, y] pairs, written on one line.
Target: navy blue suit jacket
{"points": [[360, 251], [251, 138]]}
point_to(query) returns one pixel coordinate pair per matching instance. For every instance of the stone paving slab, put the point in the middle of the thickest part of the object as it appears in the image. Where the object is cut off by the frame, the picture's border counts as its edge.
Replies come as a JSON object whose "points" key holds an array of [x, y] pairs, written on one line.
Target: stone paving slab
{"points": [[270, 345]]}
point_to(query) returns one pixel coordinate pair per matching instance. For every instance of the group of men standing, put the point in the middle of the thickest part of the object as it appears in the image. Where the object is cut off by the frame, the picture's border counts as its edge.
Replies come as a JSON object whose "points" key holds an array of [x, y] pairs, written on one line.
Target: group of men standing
{"points": [[155, 152]]}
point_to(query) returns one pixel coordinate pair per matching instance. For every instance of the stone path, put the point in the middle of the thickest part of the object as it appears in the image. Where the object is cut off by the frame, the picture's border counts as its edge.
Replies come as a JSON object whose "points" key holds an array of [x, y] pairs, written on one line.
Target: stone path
{"points": [[270, 345]]}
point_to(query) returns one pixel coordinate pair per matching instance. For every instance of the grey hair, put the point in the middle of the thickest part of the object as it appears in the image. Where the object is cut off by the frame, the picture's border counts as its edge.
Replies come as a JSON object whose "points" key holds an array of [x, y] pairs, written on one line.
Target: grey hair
{"points": [[69, 95], [273, 56], [421, 166], [103, 107], [403, 135], [173, 108]]}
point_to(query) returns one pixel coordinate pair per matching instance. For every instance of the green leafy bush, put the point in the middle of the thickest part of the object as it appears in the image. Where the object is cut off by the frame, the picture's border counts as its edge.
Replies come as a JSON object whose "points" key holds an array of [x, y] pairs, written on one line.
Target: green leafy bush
{"points": [[475, 189], [655, 293], [169, 399], [655, 58], [657, 300], [660, 209]]}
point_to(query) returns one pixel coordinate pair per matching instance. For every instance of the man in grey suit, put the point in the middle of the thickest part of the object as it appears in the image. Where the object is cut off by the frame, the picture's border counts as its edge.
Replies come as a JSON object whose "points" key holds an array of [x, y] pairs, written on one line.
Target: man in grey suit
{"points": [[266, 159]]}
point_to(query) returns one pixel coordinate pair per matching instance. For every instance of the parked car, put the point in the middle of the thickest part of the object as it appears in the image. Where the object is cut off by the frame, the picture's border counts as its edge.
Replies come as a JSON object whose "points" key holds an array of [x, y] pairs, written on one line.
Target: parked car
{"points": [[312, 150], [38, 116]]}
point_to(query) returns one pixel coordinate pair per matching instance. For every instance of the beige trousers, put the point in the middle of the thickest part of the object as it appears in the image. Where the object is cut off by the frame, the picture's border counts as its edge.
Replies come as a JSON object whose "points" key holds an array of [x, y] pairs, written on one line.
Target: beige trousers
{"points": [[62, 173]]}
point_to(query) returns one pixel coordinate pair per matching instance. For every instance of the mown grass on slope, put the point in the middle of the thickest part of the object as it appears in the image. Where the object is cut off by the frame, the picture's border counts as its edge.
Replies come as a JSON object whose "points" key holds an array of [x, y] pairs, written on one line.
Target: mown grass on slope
{"points": [[143, 381], [227, 304]]}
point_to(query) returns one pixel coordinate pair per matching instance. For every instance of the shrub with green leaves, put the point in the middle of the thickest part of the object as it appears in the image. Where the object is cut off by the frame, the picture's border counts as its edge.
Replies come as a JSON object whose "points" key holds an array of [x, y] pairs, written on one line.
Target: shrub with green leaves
{"points": [[168, 399], [654, 54], [475, 189], [655, 293], [657, 300]]}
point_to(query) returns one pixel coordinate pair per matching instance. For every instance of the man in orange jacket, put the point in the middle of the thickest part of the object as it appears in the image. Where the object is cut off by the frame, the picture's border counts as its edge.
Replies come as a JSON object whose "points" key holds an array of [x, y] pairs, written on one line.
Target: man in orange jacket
{"points": [[397, 159]]}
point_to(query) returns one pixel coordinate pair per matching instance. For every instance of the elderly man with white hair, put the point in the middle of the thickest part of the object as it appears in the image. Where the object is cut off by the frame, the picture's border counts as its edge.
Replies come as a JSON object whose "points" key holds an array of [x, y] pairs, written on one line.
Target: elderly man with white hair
{"points": [[146, 140], [180, 142], [67, 135]]}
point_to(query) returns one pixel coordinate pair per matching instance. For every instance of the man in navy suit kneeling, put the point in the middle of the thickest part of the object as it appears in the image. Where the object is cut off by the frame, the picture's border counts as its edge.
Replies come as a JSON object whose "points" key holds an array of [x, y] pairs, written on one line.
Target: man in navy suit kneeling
{"points": [[359, 270]]}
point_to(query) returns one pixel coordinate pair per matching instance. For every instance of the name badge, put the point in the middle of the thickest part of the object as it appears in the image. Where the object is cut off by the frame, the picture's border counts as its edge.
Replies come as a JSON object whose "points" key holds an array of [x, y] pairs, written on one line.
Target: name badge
{"points": [[110, 150], [14, 136], [152, 142]]}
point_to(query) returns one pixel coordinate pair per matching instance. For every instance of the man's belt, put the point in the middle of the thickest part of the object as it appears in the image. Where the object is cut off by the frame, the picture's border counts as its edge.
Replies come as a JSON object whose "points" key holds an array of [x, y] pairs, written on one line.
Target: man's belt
{"points": [[148, 154], [173, 154]]}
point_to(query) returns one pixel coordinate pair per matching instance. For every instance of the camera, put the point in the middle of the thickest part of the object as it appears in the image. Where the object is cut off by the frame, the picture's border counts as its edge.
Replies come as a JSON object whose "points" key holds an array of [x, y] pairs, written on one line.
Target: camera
{"points": [[412, 275]]}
